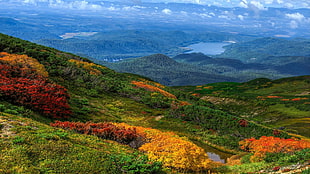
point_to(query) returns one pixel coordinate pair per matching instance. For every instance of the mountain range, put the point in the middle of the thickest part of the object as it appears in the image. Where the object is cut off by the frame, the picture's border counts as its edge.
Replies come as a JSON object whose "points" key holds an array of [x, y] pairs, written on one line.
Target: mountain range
{"points": [[197, 68]]}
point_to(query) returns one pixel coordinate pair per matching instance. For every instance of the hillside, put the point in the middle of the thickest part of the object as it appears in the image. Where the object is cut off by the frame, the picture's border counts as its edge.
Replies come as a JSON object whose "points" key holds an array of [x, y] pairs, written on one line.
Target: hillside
{"points": [[282, 103], [167, 71], [61, 113]]}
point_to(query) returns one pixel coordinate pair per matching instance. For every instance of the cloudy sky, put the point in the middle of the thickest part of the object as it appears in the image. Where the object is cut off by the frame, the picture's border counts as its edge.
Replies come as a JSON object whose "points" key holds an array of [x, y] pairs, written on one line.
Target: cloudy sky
{"points": [[223, 3], [237, 3]]}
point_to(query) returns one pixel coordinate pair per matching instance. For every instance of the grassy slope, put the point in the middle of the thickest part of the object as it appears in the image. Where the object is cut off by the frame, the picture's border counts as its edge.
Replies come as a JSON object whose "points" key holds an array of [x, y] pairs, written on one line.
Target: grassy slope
{"points": [[28, 146], [250, 100]]}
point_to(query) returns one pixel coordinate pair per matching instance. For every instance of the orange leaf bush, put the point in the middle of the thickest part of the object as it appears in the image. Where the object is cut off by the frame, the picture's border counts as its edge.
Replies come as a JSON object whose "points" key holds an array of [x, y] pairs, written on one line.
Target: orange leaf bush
{"points": [[272, 145], [153, 89], [173, 151], [27, 63]]}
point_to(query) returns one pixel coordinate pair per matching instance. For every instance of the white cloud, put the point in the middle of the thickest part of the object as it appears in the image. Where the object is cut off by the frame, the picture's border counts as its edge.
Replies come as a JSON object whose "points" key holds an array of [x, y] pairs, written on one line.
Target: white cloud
{"points": [[293, 24], [289, 5], [166, 11], [306, 5], [223, 17], [241, 17], [243, 4], [268, 1], [132, 8], [184, 13], [112, 8], [296, 16], [280, 1], [77, 4], [258, 5]]}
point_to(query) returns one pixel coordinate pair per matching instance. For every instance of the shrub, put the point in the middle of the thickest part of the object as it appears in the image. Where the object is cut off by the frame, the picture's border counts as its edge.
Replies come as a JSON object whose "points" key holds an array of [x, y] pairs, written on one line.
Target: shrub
{"points": [[173, 151], [104, 130], [260, 147], [32, 90]]}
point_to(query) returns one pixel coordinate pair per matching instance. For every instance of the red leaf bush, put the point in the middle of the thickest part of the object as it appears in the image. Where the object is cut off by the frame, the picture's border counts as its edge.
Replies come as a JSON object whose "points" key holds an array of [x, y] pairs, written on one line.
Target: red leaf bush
{"points": [[26, 87], [104, 130]]}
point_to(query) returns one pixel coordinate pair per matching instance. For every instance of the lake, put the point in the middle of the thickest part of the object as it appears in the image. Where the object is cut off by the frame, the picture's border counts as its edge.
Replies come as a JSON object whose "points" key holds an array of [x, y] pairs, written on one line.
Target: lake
{"points": [[208, 48]]}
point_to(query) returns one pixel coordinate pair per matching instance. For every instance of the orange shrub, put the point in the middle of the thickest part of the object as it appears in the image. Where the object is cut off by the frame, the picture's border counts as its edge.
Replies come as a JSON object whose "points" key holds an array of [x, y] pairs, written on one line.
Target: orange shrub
{"points": [[296, 99], [273, 96], [208, 87], [285, 99], [173, 151], [272, 145], [25, 62], [88, 66], [153, 89]]}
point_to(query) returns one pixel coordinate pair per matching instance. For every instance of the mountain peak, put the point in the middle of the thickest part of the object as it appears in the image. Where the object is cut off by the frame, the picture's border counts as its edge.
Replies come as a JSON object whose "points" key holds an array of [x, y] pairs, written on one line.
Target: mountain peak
{"points": [[158, 60]]}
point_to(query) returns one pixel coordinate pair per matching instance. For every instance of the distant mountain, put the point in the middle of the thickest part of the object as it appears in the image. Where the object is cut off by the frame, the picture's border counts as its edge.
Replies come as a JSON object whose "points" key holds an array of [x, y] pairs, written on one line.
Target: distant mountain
{"points": [[120, 44], [168, 71], [203, 60], [267, 50], [23, 30]]}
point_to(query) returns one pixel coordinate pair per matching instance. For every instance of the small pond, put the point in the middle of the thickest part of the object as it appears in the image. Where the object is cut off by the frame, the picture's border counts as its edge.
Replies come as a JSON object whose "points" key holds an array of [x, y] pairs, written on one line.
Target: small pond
{"points": [[213, 153]]}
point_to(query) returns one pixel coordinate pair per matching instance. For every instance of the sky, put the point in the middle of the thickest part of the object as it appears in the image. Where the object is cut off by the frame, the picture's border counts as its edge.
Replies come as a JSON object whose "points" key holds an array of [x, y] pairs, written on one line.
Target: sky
{"points": [[260, 4], [237, 3]]}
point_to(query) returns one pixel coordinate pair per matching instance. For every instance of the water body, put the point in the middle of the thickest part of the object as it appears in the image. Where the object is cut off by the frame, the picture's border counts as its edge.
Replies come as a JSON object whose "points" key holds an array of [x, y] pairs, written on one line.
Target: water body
{"points": [[214, 154], [208, 48]]}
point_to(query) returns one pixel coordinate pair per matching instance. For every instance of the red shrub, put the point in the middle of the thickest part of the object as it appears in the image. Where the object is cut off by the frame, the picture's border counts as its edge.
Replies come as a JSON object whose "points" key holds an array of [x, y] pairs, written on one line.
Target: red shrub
{"points": [[243, 123], [27, 88], [276, 132], [103, 130]]}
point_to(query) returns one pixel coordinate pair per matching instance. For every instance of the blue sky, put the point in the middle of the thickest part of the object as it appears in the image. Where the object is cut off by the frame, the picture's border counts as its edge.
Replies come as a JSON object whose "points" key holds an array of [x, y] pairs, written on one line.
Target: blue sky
{"points": [[224, 3], [238, 3]]}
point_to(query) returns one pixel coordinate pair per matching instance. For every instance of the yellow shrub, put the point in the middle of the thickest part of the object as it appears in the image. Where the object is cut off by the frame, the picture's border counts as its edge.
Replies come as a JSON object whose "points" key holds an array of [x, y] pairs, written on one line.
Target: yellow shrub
{"points": [[173, 151], [88, 66], [24, 61]]}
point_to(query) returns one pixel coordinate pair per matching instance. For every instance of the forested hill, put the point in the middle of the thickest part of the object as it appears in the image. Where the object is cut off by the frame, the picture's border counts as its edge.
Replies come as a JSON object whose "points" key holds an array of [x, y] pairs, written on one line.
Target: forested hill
{"points": [[199, 69], [167, 71], [265, 50], [61, 113]]}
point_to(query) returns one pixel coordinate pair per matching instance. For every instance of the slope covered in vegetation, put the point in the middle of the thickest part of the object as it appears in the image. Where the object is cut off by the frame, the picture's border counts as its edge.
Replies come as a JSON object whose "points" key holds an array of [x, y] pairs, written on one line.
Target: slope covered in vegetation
{"points": [[129, 124], [282, 103]]}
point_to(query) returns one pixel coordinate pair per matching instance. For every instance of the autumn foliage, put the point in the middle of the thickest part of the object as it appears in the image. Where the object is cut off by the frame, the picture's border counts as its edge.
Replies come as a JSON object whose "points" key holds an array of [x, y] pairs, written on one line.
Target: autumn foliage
{"points": [[173, 151], [24, 62], [272, 145], [153, 89], [88, 66], [103, 130], [22, 84], [166, 147]]}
